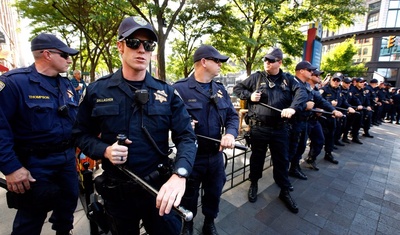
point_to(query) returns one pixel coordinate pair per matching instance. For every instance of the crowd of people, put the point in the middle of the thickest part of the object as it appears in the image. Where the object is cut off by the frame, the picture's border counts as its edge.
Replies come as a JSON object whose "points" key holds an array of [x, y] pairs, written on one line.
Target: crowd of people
{"points": [[45, 116]]}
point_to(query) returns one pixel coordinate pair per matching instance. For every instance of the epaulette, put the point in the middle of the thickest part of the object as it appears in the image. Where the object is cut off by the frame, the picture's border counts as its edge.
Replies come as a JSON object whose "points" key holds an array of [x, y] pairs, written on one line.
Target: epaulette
{"points": [[106, 76], [18, 71], [159, 80], [220, 83], [182, 80]]}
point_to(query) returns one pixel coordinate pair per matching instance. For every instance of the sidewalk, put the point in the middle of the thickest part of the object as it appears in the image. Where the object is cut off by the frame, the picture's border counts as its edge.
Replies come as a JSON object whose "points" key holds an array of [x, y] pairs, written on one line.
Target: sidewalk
{"points": [[360, 195]]}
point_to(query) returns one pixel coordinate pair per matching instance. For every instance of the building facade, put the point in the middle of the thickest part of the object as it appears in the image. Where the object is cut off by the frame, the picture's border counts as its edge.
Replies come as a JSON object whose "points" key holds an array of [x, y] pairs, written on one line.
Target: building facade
{"points": [[10, 52], [377, 36]]}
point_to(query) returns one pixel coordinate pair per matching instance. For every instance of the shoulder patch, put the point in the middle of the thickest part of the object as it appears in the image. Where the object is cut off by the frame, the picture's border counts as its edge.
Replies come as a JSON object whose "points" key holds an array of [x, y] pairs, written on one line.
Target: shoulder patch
{"points": [[2, 85]]}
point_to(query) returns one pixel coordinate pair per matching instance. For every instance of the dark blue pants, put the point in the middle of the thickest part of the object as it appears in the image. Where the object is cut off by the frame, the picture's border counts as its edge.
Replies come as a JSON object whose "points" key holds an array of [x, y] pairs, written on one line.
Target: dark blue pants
{"points": [[317, 138], [298, 142], [209, 172], [328, 127], [58, 170], [277, 140], [125, 215]]}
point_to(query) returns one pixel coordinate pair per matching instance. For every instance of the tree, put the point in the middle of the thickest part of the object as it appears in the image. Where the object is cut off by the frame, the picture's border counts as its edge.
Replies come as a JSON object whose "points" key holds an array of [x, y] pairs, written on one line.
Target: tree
{"points": [[266, 23], [94, 23], [340, 59], [192, 26]]}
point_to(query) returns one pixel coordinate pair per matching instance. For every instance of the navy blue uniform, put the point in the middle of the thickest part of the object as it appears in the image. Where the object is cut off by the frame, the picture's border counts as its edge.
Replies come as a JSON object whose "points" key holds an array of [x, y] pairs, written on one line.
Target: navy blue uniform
{"points": [[268, 129], [38, 138], [332, 127], [216, 115], [108, 109], [300, 126], [363, 95]]}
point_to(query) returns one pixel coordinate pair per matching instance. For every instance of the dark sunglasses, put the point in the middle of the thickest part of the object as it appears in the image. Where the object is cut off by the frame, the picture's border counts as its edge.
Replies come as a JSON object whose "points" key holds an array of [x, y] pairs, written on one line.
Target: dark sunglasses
{"points": [[64, 55], [314, 75], [269, 60], [336, 80], [214, 59], [134, 43]]}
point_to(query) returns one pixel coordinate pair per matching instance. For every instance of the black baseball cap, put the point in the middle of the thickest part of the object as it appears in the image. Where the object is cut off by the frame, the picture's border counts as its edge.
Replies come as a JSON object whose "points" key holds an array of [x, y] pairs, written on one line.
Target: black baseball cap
{"points": [[347, 80], [274, 54], [318, 72], [131, 24], [49, 41], [360, 79], [374, 80], [338, 75], [207, 51], [305, 65]]}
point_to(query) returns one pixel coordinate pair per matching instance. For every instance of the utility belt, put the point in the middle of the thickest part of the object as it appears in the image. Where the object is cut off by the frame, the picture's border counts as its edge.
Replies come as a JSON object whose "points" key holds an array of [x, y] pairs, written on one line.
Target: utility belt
{"points": [[207, 147], [111, 188], [270, 122], [42, 149]]}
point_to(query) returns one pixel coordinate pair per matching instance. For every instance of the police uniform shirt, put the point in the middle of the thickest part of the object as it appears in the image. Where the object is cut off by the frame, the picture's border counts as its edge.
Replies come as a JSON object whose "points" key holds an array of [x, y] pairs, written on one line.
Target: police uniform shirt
{"points": [[30, 104], [211, 107], [109, 108], [284, 92]]}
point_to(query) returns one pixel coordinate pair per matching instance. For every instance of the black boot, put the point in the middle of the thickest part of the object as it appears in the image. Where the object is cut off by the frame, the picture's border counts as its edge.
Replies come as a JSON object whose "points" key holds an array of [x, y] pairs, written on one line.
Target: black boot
{"points": [[187, 228], [284, 195], [64, 232], [366, 134], [296, 172], [312, 164], [339, 143], [345, 140], [253, 192], [209, 227], [330, 158], [356, 140]]}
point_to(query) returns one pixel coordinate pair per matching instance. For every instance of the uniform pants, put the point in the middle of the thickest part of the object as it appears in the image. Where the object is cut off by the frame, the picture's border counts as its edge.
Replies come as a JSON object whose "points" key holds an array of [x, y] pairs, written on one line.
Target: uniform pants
{"points": [[298, 142], [209, 172], [317, 138], [57, 170], [276, 138]]}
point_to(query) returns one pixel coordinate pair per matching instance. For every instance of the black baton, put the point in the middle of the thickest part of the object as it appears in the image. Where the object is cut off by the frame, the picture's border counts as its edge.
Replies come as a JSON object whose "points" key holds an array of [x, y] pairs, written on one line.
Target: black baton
{"points": [[3, 183], [184, 213], [238, 146]]}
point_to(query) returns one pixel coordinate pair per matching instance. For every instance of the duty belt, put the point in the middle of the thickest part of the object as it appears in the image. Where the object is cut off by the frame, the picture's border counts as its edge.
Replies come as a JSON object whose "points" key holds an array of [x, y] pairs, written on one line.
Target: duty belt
{"points": [[275, 123], [42, 149]]}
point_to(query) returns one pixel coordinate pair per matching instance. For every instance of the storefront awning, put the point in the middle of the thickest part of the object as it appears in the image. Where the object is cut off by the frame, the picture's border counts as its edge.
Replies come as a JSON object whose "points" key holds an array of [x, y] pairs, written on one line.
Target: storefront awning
{"points": [[3, 68]]}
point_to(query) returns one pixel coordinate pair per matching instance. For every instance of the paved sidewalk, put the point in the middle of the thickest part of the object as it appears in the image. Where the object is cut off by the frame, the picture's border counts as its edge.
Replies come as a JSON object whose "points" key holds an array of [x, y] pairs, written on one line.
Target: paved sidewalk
{"points": [[360, 195]]}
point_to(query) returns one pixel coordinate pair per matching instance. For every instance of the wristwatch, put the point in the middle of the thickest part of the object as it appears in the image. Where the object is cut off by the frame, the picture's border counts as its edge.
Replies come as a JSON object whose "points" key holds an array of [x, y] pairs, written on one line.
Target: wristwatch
{"points": [[181, 172]]}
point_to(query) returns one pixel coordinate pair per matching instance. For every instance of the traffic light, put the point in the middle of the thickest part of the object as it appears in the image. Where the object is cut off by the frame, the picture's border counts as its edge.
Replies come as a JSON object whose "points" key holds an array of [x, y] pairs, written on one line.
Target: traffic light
{"points": [[391, 41]]}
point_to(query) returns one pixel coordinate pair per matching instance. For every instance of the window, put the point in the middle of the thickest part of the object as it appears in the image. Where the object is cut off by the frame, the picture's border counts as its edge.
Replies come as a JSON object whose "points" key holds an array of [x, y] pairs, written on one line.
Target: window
{"points": [[393, 15], [365, 51], [392, 53]]}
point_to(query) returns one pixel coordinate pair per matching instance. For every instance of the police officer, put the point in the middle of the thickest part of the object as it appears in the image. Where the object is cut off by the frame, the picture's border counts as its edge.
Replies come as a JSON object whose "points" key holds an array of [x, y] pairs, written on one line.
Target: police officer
{"points": [[299, 124], [132, 102], [330, 126], [363, 96], [353, 117], [315, 133], [266, 92], [211, 108], [38, 157]]}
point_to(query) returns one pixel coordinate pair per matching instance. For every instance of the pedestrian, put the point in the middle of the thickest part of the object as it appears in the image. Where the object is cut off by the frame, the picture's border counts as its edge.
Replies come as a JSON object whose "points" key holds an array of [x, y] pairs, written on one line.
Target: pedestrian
{"points": [[78, 83], [299, 123], [273, 96], [38, 157], [211, 109], [132, 102]]}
